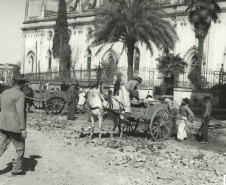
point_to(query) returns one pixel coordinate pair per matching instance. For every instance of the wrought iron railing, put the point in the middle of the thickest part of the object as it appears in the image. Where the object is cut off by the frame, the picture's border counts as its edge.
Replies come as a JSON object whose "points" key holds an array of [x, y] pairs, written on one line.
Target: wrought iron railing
{"points": [[151, 77], [88, 75]]}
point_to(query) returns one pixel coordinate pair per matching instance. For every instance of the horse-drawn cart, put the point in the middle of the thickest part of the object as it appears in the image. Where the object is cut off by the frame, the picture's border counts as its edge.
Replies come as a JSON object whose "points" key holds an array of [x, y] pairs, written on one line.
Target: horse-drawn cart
{"points": [[52, 101], [153, 114]]}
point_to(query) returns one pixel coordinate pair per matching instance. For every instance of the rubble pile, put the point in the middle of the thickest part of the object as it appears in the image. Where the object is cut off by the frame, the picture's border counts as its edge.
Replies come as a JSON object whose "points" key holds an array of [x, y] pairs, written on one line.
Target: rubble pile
{"points": [[166, 162], [163, 162]]}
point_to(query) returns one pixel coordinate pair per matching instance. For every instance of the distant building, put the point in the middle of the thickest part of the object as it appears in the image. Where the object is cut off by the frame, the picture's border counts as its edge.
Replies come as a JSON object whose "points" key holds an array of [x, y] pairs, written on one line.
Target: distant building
{"points": [[38, 31], [6, 72]]}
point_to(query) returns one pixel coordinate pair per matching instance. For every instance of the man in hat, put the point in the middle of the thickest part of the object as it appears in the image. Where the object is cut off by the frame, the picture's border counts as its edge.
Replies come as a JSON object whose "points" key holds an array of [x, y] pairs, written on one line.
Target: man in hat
{"points": [[184, 112], [72, 93], [207, 108], [63, 86], [125, 91], [13, 123]]}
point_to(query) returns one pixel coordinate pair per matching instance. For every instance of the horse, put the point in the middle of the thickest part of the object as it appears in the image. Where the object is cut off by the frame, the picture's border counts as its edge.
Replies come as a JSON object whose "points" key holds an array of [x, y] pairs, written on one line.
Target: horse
{"points": [[97, 104], [28, 91], [4, 87]]}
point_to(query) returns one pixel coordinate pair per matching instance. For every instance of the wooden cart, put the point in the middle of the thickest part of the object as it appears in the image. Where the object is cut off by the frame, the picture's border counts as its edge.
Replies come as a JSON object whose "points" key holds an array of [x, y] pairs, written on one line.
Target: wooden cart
{"points": [[52, 101], [154, 114]]}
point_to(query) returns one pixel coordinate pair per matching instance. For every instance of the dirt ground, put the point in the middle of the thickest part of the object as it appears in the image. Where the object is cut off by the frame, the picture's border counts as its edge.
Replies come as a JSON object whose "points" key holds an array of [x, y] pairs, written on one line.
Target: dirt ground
{"points": [[59, 152]]}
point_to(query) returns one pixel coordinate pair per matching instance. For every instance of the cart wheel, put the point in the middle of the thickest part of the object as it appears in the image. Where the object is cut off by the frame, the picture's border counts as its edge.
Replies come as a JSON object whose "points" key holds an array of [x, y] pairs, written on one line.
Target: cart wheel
{"points": [[38, 104], [130, 126], [161, 124], [55, 104]]}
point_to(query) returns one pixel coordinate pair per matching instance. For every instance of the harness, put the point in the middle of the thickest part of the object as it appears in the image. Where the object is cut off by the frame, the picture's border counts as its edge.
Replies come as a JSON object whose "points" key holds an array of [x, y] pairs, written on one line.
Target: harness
{"points": [[85, 108], [94, 108], [109, 104]]}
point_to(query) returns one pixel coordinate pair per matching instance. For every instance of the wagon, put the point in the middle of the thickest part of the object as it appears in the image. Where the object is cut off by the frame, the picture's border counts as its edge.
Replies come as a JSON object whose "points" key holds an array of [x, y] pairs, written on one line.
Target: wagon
{"points": [[154, 115], [52, 101]]}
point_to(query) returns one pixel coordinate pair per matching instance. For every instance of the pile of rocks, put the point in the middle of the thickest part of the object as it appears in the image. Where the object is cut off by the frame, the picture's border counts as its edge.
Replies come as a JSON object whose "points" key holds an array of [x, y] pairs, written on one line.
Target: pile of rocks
{"points": [[166, 162]]}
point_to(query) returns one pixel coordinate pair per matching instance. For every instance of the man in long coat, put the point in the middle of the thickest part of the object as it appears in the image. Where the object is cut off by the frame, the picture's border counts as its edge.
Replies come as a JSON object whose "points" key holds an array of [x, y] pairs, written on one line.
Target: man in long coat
{"points": [[63, 86], [207, 108], [13, 123], [72, 93]]}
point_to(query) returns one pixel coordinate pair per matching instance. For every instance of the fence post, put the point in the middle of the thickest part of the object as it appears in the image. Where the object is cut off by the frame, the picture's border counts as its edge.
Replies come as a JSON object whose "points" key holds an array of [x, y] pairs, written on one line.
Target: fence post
{"points": [[81, 72], [149, 77]]}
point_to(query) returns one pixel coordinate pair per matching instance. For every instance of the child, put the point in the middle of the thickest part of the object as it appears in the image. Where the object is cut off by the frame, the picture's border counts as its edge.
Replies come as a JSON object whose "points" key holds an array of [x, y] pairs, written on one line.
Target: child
{"points": [[184, 112]]}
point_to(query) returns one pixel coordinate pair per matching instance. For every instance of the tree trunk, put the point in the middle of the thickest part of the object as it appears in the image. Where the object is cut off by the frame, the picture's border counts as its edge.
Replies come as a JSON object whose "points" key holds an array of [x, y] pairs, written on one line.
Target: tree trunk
{"points": [[130, 51], [63, 72], [200, 60], [175, 80], [62, 65]]}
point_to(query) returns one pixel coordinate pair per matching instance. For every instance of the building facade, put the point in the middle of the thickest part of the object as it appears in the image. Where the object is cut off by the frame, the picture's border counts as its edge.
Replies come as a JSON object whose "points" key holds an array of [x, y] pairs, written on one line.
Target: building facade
{"points": [[38, 33], [6, 72]]}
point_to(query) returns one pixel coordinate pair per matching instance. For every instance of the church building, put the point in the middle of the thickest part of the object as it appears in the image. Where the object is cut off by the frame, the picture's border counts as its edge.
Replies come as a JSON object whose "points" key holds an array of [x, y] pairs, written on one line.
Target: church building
{"points": [[38, 31]]}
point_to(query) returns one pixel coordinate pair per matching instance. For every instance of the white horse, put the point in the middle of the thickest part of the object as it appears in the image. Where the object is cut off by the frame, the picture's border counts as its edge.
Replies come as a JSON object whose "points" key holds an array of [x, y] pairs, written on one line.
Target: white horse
{"points": [[97, 104]]}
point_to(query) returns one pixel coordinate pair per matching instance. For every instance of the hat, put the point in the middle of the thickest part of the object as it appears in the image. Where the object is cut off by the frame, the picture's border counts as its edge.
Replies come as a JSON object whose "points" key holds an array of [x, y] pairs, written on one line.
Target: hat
{"points": [[186, 100], [139, 79], [19, 77]]}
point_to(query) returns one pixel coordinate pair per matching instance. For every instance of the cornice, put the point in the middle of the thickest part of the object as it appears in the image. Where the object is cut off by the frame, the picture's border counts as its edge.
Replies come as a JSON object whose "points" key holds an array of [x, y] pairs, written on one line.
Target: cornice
{"points": [[92, 13], [53, 17], [182, 13], [52, 26]]}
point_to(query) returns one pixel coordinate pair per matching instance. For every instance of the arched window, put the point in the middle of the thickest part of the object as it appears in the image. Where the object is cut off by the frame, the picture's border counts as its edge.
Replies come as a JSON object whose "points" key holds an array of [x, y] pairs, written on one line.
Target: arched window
{"points": [[69, 32], [89, 33], [76, 5], [88, 6], [50, 35], [136, 60], [110, 60], [89, 58], [49, 55], [194, 60], [70, 9], [31, 61]]}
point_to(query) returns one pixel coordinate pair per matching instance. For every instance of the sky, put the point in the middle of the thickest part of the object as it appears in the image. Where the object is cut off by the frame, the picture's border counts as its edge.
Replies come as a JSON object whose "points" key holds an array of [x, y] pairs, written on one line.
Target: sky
{"points": [[11, 18]]}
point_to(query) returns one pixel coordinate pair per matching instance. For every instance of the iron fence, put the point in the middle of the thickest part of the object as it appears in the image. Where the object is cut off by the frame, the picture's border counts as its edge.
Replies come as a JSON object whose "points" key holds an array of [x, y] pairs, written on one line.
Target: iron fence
{"points": [[151, 76], [207, 78], [81, 75]]}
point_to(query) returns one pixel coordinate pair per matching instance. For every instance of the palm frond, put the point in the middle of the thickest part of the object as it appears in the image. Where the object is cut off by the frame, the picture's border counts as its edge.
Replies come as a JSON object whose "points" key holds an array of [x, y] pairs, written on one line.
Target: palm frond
{"points": [[98, 51], [132, 21], [171, 63]]}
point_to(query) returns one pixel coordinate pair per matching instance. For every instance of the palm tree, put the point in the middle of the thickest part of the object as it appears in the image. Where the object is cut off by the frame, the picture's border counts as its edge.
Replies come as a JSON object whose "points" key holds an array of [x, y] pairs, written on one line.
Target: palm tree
{"points": [[201, 14], [171, 65], [130, 22]]}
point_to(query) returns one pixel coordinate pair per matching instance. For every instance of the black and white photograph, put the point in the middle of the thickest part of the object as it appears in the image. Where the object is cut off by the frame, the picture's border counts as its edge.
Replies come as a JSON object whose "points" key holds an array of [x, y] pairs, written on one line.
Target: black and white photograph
{"points": [[113, 92]]}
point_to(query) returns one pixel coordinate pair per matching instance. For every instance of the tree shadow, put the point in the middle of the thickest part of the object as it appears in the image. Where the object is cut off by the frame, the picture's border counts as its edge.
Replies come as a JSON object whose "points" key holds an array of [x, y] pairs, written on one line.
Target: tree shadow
{"points": [[116, 134], [29, 164]]}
